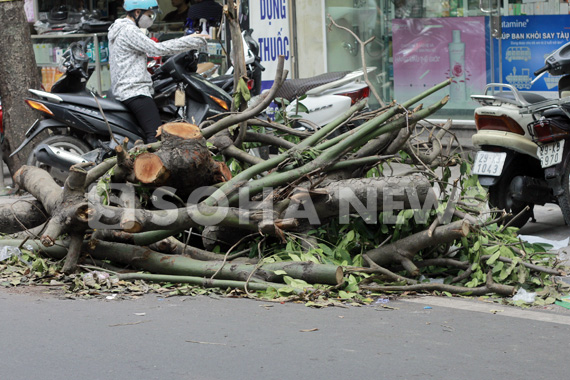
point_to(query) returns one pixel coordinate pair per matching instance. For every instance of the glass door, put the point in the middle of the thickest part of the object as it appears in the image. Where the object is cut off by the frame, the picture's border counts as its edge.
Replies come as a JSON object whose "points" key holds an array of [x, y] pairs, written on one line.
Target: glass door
{"points": [[361, 21]]}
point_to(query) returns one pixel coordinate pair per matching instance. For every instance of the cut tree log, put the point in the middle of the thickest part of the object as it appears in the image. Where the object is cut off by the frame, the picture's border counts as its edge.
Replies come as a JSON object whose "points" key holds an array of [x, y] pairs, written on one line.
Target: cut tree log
{"points": [[183, 161]]}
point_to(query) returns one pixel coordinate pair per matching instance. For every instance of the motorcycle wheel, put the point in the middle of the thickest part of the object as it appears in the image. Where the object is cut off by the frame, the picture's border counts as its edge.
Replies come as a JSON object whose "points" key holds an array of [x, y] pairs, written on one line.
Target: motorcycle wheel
{"points": [[564, 199], [67, 143], [500, 197]]}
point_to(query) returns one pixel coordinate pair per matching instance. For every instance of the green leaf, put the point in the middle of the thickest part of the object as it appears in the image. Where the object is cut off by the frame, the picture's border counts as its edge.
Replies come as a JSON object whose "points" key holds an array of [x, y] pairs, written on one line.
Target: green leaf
{"points": [[326, 250], [244, 90], [498, 267], [465, 168], [237, 99], [494, 257], [280, 272], [522, 274], [549, 300], [294, 257], [506, 252], [408, 214], [472, 284], [282, 101], [542, 247], [344, 295], [302, 108]]}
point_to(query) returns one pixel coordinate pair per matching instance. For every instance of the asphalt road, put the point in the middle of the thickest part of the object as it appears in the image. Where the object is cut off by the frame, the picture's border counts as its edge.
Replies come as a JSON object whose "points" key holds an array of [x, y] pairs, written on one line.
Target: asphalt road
{"points": [[205, 338]]}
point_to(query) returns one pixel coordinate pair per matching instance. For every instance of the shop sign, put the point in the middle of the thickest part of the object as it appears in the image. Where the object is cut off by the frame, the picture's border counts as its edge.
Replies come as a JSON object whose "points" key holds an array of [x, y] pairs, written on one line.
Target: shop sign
{"points": [[426, 51], [270, 22], [526, 41]]}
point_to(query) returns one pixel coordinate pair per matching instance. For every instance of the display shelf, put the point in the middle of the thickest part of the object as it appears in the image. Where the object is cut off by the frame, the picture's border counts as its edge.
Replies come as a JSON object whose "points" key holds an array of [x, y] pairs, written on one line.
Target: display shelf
{"points": [[48, 49]]}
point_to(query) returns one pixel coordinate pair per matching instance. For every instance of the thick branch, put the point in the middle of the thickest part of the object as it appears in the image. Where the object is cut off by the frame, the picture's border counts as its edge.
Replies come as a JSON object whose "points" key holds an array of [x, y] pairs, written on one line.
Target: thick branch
{"points": [[268, 140], [278, 127], [253, 111], [404, 250]]}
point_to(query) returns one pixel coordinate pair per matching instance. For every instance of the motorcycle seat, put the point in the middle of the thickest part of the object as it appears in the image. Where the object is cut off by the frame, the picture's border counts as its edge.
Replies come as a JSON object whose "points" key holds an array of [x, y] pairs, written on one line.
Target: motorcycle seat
{"points": [[108, 104], [529, 97], [555, 113], [293, 88]]}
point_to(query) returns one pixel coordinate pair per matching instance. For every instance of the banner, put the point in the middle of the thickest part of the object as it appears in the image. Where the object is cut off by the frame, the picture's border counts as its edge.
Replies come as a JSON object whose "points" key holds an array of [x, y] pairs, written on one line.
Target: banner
{"points": [[526, 42], [427, 51], [269, 20]]}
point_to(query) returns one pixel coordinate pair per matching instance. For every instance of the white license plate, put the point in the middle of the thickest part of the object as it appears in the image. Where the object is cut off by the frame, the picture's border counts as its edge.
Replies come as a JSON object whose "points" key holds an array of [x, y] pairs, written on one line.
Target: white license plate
{"points": [[489, 163], [550, 154]]}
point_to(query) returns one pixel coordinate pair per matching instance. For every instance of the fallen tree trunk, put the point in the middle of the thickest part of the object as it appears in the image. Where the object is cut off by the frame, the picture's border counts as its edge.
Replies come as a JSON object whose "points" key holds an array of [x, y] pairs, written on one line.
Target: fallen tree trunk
{"points": [[403, 251], [366, 196], [204, 282], [21, 215], [144, 258]]}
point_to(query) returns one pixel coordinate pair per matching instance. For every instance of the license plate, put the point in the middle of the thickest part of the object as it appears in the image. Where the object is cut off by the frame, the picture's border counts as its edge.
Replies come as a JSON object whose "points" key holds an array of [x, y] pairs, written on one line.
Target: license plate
{"points": [[489, 163], [550, 154]]}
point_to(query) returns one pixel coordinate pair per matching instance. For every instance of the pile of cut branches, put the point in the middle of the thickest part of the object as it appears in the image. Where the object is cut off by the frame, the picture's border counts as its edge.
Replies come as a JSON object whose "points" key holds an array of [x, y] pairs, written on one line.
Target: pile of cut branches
{"points": [[325, 214]]}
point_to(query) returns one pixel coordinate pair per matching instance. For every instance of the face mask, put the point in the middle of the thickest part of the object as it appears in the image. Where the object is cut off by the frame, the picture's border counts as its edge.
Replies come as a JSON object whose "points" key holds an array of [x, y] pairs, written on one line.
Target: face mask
{"points": [[145, 21]]}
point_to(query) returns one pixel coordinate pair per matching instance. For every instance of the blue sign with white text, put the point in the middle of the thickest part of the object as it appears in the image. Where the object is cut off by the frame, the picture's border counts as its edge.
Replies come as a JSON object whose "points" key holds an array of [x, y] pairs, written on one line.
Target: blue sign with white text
{"points": [[526, 41]]}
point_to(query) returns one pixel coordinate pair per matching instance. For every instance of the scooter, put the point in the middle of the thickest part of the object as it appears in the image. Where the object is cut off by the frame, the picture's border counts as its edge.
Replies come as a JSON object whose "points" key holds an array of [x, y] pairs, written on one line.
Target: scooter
{"points": [[79, 130], [551, 132], [253, 65], [514, 165], [226, 81], [316, 101], [311, 102]]}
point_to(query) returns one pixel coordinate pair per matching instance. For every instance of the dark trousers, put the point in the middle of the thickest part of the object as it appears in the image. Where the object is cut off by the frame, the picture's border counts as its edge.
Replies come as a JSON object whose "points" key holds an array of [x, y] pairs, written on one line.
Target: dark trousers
{"points": [[145, 110]]}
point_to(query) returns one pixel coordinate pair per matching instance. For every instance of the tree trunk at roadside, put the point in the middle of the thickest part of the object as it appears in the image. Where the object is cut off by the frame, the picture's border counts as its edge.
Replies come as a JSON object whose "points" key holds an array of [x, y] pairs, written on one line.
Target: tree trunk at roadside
{"points": [[18, 73]]}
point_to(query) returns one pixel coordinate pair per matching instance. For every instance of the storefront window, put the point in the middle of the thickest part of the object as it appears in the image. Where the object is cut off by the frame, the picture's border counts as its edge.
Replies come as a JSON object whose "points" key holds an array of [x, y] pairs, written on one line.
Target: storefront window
{"points": [[366, 19], [412, 40], [419, 43]]}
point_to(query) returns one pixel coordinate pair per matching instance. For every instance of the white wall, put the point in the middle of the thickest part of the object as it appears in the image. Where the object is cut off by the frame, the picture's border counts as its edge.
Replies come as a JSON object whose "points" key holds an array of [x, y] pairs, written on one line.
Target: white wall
{"points": [[311, 54]]}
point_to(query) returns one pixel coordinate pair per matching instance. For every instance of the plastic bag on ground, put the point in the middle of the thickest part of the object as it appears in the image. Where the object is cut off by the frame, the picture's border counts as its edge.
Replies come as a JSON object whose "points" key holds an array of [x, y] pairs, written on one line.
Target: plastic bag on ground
{"points": [[7, 251], [523, 295]]}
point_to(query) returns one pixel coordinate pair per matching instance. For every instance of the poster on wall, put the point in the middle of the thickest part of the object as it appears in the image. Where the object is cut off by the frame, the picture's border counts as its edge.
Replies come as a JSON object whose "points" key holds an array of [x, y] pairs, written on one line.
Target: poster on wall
{"points": [[269, 20], [29, 9], [526, 42], [427, 51]]}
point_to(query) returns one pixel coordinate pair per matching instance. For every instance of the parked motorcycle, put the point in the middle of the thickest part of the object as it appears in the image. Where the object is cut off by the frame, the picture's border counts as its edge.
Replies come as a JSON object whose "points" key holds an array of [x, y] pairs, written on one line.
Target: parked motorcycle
{"points": [[253, 65], [80, 133], [226, 81], [318, 100], [522, 160], [79, 130]]}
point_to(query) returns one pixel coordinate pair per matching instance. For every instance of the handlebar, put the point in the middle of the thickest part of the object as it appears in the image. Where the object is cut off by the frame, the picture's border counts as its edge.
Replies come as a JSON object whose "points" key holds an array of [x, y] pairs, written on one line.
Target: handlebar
{"points": [[258, 65], [542, 69]]}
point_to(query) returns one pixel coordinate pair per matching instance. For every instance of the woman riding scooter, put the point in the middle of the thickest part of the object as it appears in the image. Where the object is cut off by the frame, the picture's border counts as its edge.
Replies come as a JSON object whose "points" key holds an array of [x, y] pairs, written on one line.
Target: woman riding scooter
{"points": [[129, 47]]}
